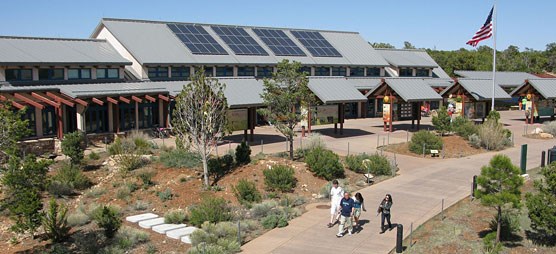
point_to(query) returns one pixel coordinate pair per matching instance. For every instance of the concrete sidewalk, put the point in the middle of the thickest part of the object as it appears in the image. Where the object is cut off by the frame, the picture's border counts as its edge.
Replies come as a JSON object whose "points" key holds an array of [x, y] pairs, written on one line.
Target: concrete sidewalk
{"points": [[417, 194]]}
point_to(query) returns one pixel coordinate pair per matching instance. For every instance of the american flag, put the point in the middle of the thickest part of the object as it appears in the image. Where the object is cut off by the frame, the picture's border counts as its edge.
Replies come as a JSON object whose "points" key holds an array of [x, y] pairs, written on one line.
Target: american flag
{"points": [[484, 33]]}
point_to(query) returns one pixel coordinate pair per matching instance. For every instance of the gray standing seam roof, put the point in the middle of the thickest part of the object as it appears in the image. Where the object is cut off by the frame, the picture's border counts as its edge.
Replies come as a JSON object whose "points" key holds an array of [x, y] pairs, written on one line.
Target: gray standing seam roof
{"points": [[503, 78], [407, 58], [335, 90], [364, 83], [33, 50], [546, 87], [480, 89], [411, 89]]}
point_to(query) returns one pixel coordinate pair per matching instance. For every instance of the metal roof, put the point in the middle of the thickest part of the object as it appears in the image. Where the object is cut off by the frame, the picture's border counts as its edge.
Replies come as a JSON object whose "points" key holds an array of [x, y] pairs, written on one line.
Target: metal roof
{"points": [[503, 78], [438, 71], [480, 89], [364, 83], [152, 42], [439, 82], [34, 50], [335, 90], [410, 89], [546, 87], [407, 58]]}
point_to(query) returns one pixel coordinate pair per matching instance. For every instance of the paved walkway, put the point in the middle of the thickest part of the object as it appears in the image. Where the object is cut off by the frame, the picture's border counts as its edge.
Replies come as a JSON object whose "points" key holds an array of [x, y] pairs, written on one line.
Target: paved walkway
{"points": [[417, 194]]}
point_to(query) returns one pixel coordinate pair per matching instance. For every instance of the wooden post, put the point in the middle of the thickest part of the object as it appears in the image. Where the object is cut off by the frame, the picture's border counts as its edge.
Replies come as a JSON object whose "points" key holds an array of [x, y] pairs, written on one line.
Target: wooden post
{"points": [[463, 104], [391, 112], [309, 119], [532, 115], [117, 108], [342, 115], [59, 122], [419, 116], [137, 115]]}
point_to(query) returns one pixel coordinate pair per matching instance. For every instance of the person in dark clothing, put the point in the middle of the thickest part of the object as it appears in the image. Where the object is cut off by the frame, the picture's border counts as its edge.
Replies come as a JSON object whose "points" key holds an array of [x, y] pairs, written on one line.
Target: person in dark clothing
{"points": [[347, 208], [384, 210]]}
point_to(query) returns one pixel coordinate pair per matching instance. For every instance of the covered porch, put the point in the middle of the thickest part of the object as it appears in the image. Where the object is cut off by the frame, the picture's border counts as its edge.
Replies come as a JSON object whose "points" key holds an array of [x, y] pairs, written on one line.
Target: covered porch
{"points": [[540, 95]]}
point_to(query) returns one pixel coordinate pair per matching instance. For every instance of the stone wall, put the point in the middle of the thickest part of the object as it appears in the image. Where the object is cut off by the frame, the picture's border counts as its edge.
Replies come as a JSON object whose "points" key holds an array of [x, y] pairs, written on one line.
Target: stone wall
{"points": [[40, 146]]}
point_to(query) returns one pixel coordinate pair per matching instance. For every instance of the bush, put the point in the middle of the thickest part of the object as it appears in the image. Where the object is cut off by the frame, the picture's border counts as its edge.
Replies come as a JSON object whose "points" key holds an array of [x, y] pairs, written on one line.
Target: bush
{"points": [[146, 176], [175, 217], [123, 193], [95, 192], [68, 177], [549, 127], [57, 188], [94, 156], [442, 121], [463, 127], [128, 151], [180, 158], [324, 163], [128, 237], [314, 141], [493, 136], [165, 195], [510, 225], [109, 220], [246, 192], [243, 154], [55, 222], [263, 209], [493, 115], [378, 164], [428, 138], [211, 209], [71, 147], [475, 141], [272, 221], [490, 245], [140, 205], [279, 178], [220, 166], [78, 219], [216, 238]]}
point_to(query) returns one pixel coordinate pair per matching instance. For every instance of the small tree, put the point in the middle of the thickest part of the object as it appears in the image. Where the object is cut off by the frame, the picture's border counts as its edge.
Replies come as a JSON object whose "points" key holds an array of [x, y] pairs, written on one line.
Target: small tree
{"points": [[200, 116], [55, 222], [243, 153], [109, 219], [500, 185], [286, 90], [542, 204], [12, 128], [442, 121], [71, 147]]}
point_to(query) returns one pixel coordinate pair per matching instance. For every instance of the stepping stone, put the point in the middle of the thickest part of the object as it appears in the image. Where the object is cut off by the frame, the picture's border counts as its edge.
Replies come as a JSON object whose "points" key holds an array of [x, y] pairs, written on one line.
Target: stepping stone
{"points": [[141, 217], [186, 239], [162, 229], [180, 232], [151, 223]]}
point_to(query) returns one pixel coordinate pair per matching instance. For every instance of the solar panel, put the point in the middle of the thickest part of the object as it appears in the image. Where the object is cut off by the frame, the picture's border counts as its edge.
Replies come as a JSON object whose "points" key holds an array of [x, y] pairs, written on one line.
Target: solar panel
{"points": [[278, 42], [239, 40], [197, 39], [316, 44]]}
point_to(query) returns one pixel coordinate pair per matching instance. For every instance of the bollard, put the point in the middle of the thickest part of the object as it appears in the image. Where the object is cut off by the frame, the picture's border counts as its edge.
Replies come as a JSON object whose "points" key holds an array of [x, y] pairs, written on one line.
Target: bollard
{"points": [[411, 235], [443, 154], [399, 239], [262, 146], [548, 157], [407, 136], [287, 144], [239, 233], [442, 211], [523, 163], [383, 141], [388, 143], [473, 187], [543, 157], [423, 150], [106, 143], [377, 140]]}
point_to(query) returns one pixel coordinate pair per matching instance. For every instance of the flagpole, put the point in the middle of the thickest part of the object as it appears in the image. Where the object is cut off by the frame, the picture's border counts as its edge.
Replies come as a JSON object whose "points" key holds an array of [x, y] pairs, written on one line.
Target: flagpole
{"points": [[494, 55]]}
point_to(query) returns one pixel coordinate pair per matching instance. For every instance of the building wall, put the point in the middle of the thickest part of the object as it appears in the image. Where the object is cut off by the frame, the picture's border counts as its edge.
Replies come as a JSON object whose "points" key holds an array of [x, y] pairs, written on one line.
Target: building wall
{"points": [[137, 68], [36, 68], [2, 74]]}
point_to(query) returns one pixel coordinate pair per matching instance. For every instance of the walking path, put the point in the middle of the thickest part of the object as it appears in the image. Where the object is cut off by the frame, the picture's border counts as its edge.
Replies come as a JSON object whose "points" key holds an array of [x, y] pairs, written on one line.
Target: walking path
{"points": [[417, 193]]}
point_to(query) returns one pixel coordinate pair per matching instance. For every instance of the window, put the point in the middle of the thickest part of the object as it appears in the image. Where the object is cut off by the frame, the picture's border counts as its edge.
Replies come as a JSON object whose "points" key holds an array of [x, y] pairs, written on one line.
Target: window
{"points": [[108, 73], [51, 74], [338, 71], [127, 116], [245, 71], [148, 115], [306, 69], [158, 72], [79, 73], [29, 115], [422, 73], [49, 121], [373, 72], [224, 71], [96, 119], [406, 72], [208, 70], [181, 72], [357, 72], [265, 72], [322, 71], [19, 74]]}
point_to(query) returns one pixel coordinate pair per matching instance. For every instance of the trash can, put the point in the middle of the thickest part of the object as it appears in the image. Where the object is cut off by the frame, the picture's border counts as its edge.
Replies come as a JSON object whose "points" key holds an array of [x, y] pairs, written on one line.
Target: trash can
{"points": [[551, 154]]}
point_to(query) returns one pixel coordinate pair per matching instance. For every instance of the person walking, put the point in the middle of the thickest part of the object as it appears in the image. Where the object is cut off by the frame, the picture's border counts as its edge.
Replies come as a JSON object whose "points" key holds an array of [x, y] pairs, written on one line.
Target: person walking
{"points": [[336, 194], [346, 213], [384, 210], [358, 205]]}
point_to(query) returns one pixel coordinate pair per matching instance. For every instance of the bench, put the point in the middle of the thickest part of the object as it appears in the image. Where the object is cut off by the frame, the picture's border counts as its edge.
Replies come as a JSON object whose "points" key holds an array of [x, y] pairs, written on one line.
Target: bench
{"points": [[434, 153], [514, 107], [368, 178]]}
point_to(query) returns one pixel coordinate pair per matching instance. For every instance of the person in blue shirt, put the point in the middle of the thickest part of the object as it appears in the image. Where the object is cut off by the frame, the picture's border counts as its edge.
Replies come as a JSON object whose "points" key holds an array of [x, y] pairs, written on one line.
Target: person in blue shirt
{"points": [[346, 211]]}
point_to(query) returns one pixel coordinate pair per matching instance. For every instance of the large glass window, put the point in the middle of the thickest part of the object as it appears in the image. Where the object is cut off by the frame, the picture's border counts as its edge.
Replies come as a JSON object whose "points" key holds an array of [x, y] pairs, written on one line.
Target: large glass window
{"points": [[158, 72], [79, 73], [245, 71], [148, 115], [31, 120], [406, 72], [224, 71], [108, 73], [127, 116], [208, 70], [357, 72], [49, 121], [306, 69], [51, 74], [338, 71], [322, 71], [265, 72], [422, 73], [373, 72], [183, 72], [19, 74], [96, 119]]}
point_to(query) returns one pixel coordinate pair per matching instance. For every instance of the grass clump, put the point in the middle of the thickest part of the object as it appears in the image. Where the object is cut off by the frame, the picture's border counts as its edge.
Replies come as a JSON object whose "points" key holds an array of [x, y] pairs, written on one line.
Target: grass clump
{"points": [[78, 219], [180, 158], [165, 195]]}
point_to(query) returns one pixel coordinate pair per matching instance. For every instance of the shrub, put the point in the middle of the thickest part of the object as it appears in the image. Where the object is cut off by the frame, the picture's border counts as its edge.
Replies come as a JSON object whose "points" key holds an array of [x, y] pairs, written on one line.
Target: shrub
{"points": [[131, 186], [175, 217], [216, 238], [140, 205], [180, 158], [324, 163], [493, 115], [549, 127], [94, 156], [123, 193], [243, 154], [427, 138], [314, 141], [78, 219], [510, 225], [55, 222], [279, 178], [165, 195], [489, 244], [378, 164], [475, 141], [57, 188], [263, 209], [463, 127], [146, 176], [246, 192], [493, 136], [211, 209], [71, 147], [272, 221], [109, 220], [128, 151], [442, 121], [95, 192], [68, 178], [128, 237], [220, 166]]}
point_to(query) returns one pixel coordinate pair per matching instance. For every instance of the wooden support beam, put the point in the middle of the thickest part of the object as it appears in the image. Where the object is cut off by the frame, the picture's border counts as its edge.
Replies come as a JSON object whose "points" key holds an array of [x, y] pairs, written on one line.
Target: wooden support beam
{"points": [[81, 102], [45, 100], [59, 98], [136, 99], [29, 101], [111, 100], [164, 98], [150, 98], [15, 104], [97, 101], [124, 99]]}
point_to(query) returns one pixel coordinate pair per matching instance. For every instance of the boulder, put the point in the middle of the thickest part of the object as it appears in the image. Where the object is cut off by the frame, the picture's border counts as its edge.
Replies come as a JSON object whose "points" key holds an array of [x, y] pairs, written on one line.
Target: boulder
{"points": [[546, 135], [537, 131]]}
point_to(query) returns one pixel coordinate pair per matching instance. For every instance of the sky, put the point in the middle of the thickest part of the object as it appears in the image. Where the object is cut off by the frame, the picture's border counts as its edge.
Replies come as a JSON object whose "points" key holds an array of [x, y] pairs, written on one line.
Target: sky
{"points": [[435, 24]]}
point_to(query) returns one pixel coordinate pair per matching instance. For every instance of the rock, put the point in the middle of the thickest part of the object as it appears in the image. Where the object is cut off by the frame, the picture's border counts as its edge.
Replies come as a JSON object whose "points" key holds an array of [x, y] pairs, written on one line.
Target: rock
{"points": [[537, 131], [314, 195], [546, 135], [304, 186]]}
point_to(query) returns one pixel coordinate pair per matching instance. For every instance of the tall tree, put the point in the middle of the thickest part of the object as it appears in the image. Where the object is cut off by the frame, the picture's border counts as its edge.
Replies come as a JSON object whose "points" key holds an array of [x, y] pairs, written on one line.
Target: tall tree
{"points": [[500, 185], [382, 45], [286, 90], [200, 118], [408, 45], [542, 203], [12, 128]]}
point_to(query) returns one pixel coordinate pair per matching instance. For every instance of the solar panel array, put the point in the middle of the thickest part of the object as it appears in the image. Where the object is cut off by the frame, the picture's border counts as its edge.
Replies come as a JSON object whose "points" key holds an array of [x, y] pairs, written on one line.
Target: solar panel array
{"points": [[278, 42], [316, 44], [239, 40], [197, 39]]}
